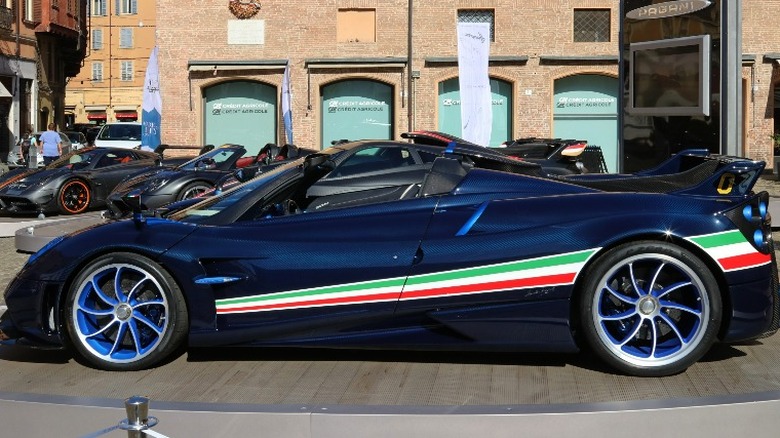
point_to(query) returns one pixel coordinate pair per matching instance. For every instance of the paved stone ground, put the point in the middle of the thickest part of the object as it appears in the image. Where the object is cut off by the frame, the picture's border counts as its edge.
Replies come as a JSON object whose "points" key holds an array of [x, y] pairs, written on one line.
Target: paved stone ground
{"points": [[768, 183], [10, 263]]}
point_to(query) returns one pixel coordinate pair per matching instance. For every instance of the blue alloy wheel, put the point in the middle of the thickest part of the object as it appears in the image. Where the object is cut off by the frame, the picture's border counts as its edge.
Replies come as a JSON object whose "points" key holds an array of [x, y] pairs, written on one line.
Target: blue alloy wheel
{"points": [[125, 312], [650, 308]]}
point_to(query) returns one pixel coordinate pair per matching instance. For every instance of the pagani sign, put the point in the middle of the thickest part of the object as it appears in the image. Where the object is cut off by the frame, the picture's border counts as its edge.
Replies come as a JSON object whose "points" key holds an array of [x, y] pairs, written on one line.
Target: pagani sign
{"points": [[668, 9]]}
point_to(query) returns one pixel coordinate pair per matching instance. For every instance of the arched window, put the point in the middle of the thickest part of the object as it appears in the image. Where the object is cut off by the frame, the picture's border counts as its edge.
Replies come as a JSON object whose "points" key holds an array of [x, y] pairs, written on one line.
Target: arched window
{"points": [[356, 109]]}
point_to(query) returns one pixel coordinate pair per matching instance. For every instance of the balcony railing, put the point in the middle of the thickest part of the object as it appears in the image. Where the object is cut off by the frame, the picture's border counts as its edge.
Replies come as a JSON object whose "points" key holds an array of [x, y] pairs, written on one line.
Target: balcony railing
{"points": [[6, 19]]}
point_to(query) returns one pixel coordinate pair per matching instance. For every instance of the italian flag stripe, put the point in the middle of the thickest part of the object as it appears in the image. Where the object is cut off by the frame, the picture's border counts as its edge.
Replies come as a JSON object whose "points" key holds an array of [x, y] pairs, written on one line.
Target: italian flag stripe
{"points": [[732, 250], [545, 271], [551, 280]]}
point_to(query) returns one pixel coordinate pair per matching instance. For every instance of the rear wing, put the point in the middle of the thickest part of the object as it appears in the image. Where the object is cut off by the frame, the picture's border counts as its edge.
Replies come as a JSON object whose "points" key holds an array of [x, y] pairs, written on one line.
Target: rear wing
{"points": [[733, 176], [693, 172]]}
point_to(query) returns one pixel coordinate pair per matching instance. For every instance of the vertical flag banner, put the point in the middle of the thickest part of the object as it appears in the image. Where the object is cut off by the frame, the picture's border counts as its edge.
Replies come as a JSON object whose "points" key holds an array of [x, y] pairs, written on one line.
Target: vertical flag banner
{"points": [[475, 101], [151, 109], [287, 104]]}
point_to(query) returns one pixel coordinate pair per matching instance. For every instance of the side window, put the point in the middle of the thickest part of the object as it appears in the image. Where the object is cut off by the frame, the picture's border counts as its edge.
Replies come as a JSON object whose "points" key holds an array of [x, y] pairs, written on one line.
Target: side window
{"points": [[427, 157], [373, 160], [106, 160], [124, 156]]}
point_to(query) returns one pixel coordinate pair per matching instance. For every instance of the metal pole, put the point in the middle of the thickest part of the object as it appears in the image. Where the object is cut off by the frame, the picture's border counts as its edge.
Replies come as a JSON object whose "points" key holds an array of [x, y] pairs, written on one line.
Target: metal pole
{"points": [[409, 88], [137, 409], [138, 423]]}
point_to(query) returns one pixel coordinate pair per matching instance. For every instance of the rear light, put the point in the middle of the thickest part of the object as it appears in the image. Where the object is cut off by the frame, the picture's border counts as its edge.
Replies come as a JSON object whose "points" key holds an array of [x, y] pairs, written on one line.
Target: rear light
{"points": [[574, 150]]}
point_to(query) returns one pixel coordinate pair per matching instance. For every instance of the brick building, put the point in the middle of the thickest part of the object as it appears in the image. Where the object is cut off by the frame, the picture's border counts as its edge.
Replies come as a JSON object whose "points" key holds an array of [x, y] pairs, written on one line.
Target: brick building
{"points": [[41, 46], [352, 76], [110, 85]]}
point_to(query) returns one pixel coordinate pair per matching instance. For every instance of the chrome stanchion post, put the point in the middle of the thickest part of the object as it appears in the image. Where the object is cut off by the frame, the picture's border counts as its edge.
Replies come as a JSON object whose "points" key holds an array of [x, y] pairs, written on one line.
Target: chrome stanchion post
{"points": [[138, 419]]}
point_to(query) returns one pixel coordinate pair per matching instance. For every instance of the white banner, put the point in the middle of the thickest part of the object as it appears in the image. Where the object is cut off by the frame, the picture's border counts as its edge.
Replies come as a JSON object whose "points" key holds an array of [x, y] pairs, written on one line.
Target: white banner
{"points": [[151, 109], [287, 104], [475, 110]]}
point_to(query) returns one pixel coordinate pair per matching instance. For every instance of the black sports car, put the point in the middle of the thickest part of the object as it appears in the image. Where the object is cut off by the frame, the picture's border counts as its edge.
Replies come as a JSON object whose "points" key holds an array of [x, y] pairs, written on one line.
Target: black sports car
{"points": [[352, 248], [556, 156], [74, 183], [197, 176]]}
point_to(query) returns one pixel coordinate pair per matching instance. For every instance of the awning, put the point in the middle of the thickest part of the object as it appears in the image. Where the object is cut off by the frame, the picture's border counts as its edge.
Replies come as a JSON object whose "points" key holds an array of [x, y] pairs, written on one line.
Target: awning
{"points": [[96, 115], [126, 115]]}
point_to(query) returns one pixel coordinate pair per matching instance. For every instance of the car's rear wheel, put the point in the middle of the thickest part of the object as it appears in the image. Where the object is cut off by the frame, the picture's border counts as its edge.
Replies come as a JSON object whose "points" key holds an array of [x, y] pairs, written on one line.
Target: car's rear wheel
{"points": [[124, 312], [193, 190], [74, 197], [650, 308]]}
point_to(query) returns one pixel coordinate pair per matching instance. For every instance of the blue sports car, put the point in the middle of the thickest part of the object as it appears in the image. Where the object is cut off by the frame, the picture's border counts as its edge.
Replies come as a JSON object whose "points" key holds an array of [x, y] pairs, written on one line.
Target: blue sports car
{"points": [[364, 245]]}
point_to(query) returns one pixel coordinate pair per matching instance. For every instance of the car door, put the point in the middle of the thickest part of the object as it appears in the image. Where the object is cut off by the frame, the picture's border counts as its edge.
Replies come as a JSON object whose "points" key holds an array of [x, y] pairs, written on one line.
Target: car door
{"points": [[313, 275], [494, 272], [112, 168]]}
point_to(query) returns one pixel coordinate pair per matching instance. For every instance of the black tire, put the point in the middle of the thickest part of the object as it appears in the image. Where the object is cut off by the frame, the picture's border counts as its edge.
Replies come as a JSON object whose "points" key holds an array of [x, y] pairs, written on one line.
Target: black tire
{"points": [[138, 328], [649, 308], [193, 190], [74, 197]]}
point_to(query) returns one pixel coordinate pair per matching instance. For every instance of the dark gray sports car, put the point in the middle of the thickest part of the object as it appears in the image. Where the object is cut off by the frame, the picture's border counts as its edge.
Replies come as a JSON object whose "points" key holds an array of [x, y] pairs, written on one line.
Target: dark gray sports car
{"points": [[162, 186], [75, 183]]}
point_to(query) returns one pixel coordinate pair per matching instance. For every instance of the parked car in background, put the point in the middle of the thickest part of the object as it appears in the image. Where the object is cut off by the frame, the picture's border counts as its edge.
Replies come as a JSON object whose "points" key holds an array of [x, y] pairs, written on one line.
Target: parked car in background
{"points": [[89, 130], [78, 139], [164, 185], [119, 135]]}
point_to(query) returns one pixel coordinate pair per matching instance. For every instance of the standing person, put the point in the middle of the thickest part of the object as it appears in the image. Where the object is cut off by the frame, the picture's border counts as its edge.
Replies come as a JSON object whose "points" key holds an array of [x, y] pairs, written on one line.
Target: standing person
{"points": [[25, 142], [50, 144]]}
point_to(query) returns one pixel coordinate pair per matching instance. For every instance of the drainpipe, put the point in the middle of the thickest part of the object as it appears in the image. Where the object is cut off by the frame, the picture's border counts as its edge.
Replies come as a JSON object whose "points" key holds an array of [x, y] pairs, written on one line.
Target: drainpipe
{"points": [[409, 93]]}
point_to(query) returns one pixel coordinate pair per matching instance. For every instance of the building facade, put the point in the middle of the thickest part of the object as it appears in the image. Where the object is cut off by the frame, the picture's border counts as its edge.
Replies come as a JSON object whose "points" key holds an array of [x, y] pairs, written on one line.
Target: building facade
{"points": [[42, 44], [374, 69], [110, 86]]}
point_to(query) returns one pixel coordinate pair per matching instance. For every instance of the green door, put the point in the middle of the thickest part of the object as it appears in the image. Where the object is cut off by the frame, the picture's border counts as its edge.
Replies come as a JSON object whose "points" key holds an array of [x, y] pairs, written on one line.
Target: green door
{"points": [[449, 109], [355, 110], [586, 109], [241, 112]]}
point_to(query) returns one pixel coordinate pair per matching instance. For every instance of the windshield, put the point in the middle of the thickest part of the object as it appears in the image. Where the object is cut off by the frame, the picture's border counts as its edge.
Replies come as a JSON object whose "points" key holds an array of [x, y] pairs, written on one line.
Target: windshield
{"points": [[81, 156], [247, 191], [218, 155], [120, 131], [76, 137]]}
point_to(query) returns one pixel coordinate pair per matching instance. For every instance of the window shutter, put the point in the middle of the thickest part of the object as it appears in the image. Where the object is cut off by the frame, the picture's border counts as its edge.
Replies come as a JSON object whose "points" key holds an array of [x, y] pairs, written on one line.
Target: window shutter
{"points": [[117, 7], [97, 39], [133, 6], [36, 15]]}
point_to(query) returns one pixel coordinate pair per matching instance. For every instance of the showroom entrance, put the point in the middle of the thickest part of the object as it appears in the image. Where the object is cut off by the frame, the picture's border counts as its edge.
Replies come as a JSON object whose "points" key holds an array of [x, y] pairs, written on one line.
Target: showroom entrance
{"points": [[241, 112], [355, 110], [586, 108], [501, 99]]}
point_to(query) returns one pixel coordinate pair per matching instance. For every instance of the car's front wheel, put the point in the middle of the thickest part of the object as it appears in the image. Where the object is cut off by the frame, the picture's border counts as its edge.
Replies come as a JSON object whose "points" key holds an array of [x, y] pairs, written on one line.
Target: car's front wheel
{"points": [[125, 312], [193, 190], [650, 308]]}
